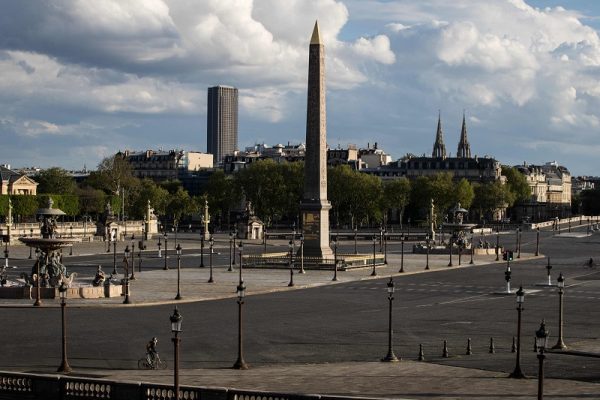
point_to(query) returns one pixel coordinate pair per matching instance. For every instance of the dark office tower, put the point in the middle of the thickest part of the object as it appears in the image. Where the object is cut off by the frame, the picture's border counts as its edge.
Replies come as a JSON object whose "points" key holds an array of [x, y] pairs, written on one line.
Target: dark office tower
{"points": [[222, 122]]}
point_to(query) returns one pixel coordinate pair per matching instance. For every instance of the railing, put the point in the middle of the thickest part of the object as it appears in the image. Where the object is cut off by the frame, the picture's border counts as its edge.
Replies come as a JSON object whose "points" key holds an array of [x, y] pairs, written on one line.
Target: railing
{"points": [[21, 386]]}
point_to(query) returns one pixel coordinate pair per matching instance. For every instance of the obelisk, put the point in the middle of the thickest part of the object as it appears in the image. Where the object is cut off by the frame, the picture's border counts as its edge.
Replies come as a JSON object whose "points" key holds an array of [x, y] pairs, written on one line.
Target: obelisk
{"points": [[314, 206]]}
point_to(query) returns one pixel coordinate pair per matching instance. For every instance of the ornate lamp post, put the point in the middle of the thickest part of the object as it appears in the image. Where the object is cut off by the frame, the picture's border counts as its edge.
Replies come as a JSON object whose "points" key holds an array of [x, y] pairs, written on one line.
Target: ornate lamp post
{"points": [[450, 244], [241, 249], [302, 254], [384, 246], [517, 373], [176, 319], [560, 282], [6, 254], [355, 238], [427, 252], [548, 268], [202, 251], [126, 273], [114, 257], [38, 295], [472, 251], [497, 244], [30, 248], [507, 274], [132, 258], [518, 242], [64, 365], [541, 339], [335, 265], [401, 253], [374, 273], [241, 293], [291, 245], [390, 356], [178, 249], [235, 237], [265, 238], [537, 241], [230, 251], [166, 267], [211, 242], [159, 246], [139, 259]]}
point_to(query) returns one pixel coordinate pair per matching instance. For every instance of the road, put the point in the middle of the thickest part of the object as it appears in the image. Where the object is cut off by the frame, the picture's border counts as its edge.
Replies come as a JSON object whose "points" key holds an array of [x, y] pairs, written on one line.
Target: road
{"points": [[337, 323]]}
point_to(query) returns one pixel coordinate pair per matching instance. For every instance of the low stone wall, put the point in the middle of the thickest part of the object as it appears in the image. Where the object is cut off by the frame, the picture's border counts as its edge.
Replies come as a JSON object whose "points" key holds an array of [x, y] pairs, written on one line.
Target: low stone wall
{"points": [[21, 386], [85, 292]]}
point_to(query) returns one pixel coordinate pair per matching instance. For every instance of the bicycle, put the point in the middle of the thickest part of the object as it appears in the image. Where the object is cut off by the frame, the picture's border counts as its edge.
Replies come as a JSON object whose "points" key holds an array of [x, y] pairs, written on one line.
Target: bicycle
{"points": [[148, 363]]}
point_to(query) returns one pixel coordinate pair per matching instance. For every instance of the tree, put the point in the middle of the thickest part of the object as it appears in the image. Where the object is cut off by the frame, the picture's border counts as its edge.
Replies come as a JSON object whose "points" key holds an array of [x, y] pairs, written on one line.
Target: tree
{"points": [[439, 187], [148, 191], [24, 206], [396, 194], [179, 205], [55, 181], [517, 185], [222, 195], [464, 193], [590, 201], [490, 197], [91, 201], [113, 174]]}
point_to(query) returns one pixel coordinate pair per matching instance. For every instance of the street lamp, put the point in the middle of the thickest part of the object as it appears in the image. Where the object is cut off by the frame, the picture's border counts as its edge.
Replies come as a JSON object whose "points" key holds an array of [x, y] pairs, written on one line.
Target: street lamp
{"points": [[178, 249], [114, 256], [302, 254], [241, 249], [235, 237], [64, 365], [384, 246], [374, 273], [335, 259], [159, 246], [132, 258], [507, 274], [265, 238], [472, 251], [176, 319], [497, 244], [548, 268], [230, 251], [355, 237], [518, 242], [537, 241], [450, 244], [166, 251], [427, 252], [291, 245], [126, 270], [241, 293], [211, 242], [202, 251], [517, 373], [38, 296], [560, 282], [541, 339], [30, 248], [401, 253], [390, 357]]}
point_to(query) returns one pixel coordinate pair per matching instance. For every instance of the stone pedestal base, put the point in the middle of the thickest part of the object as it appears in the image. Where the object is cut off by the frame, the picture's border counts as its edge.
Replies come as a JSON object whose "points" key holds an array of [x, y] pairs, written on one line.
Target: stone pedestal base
{"points": [[315, 225]]}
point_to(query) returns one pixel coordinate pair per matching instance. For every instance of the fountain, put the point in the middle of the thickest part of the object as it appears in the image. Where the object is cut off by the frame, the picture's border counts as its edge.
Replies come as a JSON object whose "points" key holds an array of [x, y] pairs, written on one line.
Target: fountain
{"points": [[48, 272]]}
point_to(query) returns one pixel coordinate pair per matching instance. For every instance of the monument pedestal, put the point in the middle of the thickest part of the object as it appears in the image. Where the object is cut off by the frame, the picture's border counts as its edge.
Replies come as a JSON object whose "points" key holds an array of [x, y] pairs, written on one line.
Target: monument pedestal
{"points": [[315, 226]]}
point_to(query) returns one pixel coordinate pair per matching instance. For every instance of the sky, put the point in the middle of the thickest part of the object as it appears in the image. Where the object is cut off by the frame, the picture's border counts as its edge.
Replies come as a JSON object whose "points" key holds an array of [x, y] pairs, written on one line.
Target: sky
{"points": [[81, 80]]}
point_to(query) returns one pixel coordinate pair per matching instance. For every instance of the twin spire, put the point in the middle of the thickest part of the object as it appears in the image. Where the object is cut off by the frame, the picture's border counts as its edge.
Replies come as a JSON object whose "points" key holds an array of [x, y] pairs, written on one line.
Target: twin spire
{"points": [[439, 149]]}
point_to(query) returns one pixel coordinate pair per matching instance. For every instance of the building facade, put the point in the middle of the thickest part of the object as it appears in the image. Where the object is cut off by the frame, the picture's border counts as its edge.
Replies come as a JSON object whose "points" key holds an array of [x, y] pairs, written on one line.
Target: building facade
{"points": [[551, 192], [14, 183], [222, 122]]}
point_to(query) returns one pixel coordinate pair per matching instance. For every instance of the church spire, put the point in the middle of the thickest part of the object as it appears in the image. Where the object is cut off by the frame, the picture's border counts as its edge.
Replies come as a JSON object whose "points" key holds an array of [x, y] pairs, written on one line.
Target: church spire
{"points": [[464, 148], [439, 149]]}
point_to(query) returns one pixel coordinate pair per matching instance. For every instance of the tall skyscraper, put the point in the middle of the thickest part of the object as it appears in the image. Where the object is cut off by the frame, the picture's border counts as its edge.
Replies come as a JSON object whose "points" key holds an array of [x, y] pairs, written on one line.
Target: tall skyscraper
{"points": [[222, 122]]}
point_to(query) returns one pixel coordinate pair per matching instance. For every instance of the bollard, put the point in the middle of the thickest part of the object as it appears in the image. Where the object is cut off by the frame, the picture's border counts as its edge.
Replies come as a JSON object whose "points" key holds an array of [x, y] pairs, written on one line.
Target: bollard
{"points": [[513, 348], [492, 348], [469, 351], [421, 354], [445, 351]]}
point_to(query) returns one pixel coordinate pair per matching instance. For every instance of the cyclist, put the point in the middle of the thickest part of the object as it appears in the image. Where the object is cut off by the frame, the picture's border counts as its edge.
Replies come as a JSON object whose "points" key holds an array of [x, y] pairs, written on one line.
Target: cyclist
{"points": [[151, 353]]}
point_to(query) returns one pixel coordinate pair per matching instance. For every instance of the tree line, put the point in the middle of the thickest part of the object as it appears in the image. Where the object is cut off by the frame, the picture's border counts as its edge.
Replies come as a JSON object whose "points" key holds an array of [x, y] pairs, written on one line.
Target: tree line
{"points": [[274, 191]]}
